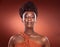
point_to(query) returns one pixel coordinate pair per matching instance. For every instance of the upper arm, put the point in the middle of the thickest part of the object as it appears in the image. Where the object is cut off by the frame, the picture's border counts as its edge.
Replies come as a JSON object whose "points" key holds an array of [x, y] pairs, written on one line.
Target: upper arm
{"points": [[15, 39], [11, 41], [46, 42]]}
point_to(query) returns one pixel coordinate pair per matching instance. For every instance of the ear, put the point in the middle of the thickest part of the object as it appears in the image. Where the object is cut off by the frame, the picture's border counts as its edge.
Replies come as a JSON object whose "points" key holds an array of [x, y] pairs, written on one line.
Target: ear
{"points": [[22, 20], [35, 17], [36, 20]]}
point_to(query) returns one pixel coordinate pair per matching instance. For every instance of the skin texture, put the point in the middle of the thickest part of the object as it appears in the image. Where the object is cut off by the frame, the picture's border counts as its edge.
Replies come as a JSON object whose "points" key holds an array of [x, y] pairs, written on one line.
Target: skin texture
{"points": [[29, 38]]}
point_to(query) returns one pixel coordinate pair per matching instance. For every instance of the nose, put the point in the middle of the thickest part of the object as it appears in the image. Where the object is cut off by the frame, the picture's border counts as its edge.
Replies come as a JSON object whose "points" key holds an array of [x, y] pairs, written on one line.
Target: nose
{"points": [[29, 19]]}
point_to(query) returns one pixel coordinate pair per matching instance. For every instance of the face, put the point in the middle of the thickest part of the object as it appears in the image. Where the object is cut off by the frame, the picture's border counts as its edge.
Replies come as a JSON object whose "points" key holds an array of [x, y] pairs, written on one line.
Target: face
{"points": [[29, 18]]}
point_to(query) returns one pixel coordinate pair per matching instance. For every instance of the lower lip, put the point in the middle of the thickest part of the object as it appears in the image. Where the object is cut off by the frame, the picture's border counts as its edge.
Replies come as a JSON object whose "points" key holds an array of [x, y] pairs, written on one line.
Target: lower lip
{"points": [[29, 23]]}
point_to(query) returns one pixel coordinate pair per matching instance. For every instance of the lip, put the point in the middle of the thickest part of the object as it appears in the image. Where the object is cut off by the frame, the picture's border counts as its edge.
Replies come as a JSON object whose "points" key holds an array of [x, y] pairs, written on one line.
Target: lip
{"points": [[29, 22]]}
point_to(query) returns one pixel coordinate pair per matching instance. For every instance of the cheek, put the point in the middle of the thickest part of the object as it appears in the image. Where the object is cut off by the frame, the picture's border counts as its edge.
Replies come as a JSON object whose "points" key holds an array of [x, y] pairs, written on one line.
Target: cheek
{"points": [[33, 20], [26, 20]]}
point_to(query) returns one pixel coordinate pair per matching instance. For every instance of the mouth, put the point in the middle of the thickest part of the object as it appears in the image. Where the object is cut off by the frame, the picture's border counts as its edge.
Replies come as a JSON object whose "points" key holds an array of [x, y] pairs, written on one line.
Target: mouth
{"points": [[29, 23]]}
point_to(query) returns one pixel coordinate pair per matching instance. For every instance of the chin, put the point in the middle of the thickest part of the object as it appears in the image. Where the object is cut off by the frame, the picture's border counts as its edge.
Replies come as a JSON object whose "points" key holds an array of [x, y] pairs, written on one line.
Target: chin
{"points": [[29, 26]]}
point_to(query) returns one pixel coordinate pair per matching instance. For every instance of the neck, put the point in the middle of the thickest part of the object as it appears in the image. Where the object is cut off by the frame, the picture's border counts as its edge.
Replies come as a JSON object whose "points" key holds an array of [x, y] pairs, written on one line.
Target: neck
{"points": [[29, 30]]}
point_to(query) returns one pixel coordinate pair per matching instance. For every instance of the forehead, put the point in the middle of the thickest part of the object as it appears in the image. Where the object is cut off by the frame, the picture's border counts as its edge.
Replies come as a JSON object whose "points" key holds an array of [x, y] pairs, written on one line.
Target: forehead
{"points": [[29, 13]]}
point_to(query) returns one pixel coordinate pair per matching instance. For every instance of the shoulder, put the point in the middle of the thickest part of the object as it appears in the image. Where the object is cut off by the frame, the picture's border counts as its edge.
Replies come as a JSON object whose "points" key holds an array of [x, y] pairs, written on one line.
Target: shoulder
{"points": [[14, 39], [37, 34], [45, 41], [16, 36], [44, 38]]}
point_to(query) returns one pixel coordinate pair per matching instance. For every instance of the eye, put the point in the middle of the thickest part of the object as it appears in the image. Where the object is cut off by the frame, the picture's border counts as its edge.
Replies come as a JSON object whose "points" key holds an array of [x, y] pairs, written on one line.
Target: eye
{"points": [[33, 17], [26, 16]]}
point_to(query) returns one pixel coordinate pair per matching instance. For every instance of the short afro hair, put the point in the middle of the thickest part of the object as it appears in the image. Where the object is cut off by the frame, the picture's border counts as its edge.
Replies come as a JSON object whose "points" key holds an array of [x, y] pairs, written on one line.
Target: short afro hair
{"points": [[29, 6]]}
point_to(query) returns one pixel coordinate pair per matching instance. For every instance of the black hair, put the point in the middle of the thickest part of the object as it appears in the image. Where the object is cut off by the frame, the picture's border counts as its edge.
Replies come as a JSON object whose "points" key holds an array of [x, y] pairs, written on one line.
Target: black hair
{"points": [[29, 6]]}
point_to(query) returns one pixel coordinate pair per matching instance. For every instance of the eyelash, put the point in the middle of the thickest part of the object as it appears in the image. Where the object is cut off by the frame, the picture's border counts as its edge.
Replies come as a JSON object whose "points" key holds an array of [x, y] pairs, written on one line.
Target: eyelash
{"points": [[27, 17]]}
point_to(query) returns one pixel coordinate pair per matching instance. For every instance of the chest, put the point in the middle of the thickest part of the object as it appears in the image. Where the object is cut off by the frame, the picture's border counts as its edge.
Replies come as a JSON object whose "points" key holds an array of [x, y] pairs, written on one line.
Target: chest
{"points": [[27, 41]]}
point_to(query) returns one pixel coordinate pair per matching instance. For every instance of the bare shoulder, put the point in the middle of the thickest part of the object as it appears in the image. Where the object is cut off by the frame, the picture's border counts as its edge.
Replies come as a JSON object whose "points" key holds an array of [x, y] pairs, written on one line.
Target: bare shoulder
{"points": [[16, 38], [36, 35], [39, 37], [43, 38]]}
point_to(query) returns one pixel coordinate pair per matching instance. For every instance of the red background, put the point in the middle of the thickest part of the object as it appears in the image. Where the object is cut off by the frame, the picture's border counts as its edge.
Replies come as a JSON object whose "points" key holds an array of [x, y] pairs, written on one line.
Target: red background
{"points": [[47, 21]]}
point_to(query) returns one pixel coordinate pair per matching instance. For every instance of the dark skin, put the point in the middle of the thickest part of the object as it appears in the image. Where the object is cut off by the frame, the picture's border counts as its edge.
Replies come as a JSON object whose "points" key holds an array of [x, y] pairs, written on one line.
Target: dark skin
{"points": [[29, 20]]}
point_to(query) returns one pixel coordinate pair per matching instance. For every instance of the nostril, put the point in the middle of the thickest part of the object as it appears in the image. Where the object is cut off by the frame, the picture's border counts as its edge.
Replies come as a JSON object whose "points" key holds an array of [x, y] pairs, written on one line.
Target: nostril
{"points": [[29, 19]]}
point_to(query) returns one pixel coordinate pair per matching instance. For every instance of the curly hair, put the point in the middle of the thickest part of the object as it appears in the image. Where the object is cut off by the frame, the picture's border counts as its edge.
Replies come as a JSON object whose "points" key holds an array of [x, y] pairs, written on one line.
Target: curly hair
{"points": [[29, 6]]}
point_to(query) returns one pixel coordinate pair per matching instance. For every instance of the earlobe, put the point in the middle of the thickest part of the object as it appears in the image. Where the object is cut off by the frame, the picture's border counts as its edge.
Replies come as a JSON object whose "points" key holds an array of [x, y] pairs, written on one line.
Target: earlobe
{"points": [[23, 17], [22, 20], [35, 21], [35, 17]]}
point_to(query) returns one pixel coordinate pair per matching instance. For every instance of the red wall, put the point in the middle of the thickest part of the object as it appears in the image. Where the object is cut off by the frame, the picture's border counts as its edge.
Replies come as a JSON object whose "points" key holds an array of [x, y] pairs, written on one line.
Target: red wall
{"points": [[47, 21]]}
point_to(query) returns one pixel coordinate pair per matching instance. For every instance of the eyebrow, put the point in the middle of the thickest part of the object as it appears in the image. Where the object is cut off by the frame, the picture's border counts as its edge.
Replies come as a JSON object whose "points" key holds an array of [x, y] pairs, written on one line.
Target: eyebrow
{"points": [[31, 16]]}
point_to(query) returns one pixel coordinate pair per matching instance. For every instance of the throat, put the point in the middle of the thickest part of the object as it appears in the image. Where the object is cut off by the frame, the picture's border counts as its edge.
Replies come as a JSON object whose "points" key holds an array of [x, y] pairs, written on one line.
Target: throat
{"points": [[29, 31]]}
